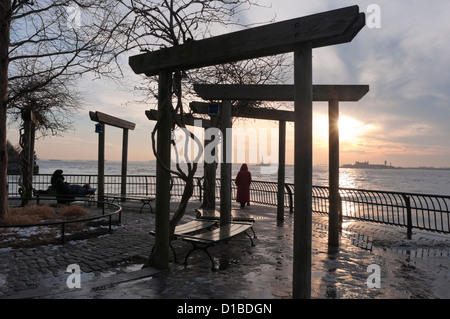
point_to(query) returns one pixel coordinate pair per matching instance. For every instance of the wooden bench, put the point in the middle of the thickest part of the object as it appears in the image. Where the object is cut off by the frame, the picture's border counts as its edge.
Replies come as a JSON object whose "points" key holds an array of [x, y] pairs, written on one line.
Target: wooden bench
{"points": [[145, 200], [192, 227], [236, 215], [215, 237], [66, 199]]}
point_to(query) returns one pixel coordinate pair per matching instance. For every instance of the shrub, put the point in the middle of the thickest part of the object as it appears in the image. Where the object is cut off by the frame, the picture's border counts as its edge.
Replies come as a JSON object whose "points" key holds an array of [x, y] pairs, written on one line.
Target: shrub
{"points": [[33, 214], [30, 214], [74, 212]]}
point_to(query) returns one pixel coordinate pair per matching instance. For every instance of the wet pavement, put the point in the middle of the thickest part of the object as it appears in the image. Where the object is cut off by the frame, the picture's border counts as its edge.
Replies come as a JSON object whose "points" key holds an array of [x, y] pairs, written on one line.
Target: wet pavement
{"points": [[372, 262]]}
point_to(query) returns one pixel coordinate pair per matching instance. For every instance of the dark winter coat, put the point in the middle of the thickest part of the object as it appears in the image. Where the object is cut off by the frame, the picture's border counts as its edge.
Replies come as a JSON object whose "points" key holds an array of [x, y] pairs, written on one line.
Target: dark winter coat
{"points": [[243, 181]]}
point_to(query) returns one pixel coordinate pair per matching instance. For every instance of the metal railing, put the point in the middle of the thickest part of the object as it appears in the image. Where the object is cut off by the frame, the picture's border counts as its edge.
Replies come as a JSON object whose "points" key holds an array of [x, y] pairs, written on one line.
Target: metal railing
{"points": [[410, 210]]}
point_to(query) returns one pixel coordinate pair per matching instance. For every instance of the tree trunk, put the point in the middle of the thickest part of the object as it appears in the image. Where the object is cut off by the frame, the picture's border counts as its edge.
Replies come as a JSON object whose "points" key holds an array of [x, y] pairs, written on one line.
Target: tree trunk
{"points": [[187, 194], [5, 22]]}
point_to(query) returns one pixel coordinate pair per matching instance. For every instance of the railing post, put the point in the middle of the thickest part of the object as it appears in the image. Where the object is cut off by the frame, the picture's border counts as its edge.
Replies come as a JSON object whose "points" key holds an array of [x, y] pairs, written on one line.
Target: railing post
{"points": [[409, 225], [291, 205], [199, 185], [409, 217]]}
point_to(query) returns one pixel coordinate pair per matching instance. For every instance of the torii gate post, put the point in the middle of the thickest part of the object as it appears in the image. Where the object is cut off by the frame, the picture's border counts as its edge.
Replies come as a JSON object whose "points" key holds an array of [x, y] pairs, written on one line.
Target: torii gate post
{"points": [[162, 217], [303, 153], [281, 169], [333, 173], [225, 165], [300, 36]]}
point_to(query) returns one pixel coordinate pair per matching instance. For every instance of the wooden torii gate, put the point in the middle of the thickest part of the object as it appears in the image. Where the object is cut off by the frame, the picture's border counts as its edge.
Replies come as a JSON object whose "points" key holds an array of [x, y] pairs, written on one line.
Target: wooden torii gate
{"points": [[105, 119], [299, 36], [333, 94]]}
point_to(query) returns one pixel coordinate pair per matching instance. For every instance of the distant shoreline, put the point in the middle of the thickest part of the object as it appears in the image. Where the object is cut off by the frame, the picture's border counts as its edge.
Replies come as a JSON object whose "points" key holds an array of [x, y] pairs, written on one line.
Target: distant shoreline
{"points": [[398, 167], [428, 168], [320, 165]]}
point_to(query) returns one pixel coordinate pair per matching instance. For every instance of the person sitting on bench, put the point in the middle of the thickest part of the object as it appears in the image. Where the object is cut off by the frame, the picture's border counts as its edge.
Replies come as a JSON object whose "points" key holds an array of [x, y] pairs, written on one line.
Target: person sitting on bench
{"points": [[62, 189]]}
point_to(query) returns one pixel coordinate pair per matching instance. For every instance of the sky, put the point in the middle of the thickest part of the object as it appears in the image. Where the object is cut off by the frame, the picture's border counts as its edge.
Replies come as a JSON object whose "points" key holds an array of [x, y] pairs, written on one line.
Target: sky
{"points": [[404, 119]]}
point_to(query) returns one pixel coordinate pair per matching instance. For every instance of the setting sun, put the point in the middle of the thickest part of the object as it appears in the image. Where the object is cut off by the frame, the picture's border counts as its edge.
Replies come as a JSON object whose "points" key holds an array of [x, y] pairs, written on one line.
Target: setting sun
{"points": [[349, 128]]}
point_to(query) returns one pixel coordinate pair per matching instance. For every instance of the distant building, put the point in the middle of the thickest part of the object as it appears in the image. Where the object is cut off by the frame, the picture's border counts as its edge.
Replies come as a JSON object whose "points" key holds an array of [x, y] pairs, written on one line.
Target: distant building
{"points": [[366, 164]]}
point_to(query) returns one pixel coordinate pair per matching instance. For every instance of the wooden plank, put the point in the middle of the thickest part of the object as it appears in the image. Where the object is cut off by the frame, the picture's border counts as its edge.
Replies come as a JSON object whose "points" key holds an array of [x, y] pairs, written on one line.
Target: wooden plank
{"points": [[111, 120], [321, 93], [345, 37], [212, 214], [303, 153], [219, 234], [205, 108], [225, 165], [333, 131], [281, 169], [319, 29], [193, 226], [163, 187], [123, 180], [249, 112], [342, 93], [101, 166], [189, 119], [263, 114]]}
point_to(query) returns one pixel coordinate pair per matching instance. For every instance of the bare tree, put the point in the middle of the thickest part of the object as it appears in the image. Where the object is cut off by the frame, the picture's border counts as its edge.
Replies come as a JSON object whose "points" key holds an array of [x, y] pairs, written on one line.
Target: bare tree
{"points": [[168, 23], [5, 21], [44, 46], [52, 104]]}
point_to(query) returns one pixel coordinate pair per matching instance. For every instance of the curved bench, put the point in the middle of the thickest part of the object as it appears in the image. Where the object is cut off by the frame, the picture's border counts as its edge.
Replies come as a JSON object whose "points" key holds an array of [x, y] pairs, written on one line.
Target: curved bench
{"points": [[145, 200], [192, 227], [215, 237]]}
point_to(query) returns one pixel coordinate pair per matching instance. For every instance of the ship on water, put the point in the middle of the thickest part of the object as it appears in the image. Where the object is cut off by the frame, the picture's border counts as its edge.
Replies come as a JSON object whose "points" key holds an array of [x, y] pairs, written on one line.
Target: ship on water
{"points": [[366, 164], [262, 162]]}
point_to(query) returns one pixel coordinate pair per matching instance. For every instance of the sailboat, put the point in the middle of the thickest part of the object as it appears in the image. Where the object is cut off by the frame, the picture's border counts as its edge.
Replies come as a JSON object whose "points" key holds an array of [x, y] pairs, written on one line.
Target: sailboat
{"points": [[262, 162]]}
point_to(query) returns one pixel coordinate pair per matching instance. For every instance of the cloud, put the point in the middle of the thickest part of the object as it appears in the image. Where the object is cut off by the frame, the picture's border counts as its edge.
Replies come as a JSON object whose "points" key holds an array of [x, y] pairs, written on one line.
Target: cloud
{"points": [[405, 62]]}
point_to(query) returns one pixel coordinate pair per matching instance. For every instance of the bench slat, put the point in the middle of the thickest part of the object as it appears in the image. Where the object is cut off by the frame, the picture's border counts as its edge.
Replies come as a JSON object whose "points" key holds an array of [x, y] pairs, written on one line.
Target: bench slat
{"points": [[191, 227], [215, 237], [219, 234], [214, 215]]}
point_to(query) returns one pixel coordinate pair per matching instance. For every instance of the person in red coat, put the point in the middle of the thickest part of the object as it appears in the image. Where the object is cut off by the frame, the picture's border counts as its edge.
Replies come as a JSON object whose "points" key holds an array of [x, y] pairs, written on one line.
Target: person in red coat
{"points": [[243, 181]]}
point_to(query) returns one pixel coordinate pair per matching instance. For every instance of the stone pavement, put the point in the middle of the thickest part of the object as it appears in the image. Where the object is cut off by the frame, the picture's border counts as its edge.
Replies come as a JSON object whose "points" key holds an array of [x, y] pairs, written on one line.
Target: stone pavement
{"points": [[111, 265]]}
